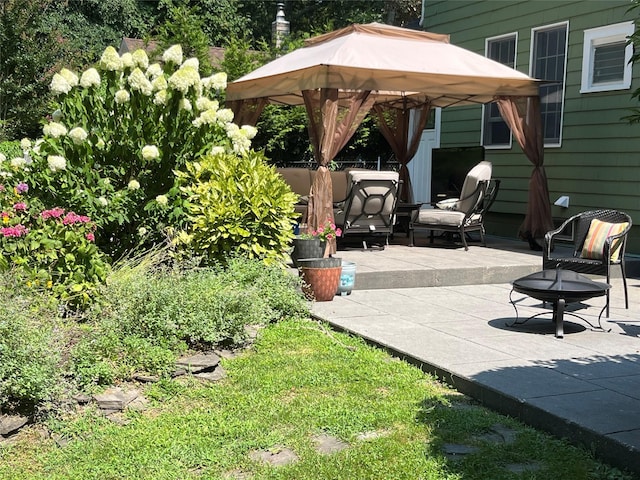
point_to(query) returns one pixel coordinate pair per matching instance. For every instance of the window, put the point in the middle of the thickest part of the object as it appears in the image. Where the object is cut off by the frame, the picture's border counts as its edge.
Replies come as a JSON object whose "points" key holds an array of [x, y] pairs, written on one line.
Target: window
{"points": [[548, 63], [606, 58], [495, 132]]}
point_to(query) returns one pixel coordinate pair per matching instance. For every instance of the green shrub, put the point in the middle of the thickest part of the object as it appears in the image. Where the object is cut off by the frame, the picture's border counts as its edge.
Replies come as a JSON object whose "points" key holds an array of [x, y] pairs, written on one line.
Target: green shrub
{"points": [[30, 347], [237, 205], [118, 132], [280, 293], [51, 249], [151, 312]]}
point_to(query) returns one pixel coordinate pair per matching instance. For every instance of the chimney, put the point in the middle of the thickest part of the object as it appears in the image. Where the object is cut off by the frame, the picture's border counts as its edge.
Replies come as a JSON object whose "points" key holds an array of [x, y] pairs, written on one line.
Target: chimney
{"points": [[279, 28]]}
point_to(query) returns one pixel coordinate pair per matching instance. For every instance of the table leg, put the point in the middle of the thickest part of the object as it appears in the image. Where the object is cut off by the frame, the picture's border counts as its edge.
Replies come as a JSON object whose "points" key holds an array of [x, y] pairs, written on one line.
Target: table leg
{"points": [[558, 317]]}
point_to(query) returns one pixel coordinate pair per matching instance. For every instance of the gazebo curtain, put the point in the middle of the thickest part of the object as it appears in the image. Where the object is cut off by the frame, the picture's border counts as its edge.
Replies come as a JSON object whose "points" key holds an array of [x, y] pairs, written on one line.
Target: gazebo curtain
{"points": [[393, 121], [522, 115], [332, 122], [247, 112]]}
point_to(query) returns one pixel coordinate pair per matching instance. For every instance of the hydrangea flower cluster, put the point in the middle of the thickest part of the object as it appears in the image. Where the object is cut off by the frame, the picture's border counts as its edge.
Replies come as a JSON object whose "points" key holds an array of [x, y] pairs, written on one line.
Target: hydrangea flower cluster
{"points": [[132, 121]]}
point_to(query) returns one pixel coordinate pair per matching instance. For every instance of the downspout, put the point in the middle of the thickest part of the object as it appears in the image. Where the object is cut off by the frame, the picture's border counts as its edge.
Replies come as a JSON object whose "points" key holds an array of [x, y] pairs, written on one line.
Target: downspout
{"points": [[422, 11]]}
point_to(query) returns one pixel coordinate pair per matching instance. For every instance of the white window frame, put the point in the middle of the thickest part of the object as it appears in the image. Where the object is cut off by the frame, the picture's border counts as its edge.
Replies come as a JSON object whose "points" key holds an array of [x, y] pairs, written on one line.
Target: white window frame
{"points": [[564, 80], [595, 37], [513, 35]]}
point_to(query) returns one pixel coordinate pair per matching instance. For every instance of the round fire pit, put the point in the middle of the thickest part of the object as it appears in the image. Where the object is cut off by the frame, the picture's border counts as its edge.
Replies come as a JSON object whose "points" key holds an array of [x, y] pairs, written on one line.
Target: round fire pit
{"points": [[559, 287]]}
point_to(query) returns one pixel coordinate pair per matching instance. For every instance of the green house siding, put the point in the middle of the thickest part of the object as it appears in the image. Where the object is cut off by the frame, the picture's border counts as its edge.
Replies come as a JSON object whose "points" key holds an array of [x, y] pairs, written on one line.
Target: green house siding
{"points": [[598, 162]]}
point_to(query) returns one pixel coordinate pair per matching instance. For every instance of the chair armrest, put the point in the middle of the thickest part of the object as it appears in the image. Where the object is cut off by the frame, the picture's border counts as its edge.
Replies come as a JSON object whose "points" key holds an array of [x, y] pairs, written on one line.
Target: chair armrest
{"points": [[549, 236]]}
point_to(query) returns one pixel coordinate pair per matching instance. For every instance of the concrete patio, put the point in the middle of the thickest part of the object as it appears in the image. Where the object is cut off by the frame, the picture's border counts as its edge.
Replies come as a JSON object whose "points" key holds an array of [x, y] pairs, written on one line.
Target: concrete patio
{"points": [[446, 311]]}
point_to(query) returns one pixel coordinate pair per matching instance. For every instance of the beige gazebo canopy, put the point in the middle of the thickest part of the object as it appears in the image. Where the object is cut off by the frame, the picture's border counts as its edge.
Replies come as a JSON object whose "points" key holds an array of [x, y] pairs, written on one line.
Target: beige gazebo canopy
{"points": [[340, 76]]}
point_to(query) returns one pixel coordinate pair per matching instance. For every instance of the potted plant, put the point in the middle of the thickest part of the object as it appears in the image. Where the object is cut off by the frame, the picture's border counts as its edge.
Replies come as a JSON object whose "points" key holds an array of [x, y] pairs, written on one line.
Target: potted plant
{"points": [[313, 244], [320, 273]]}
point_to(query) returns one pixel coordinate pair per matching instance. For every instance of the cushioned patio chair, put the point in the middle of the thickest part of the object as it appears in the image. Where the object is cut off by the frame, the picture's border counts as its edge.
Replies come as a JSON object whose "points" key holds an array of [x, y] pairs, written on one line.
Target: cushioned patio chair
{"points": [[599, 239], [460, 215], [370, 205]]}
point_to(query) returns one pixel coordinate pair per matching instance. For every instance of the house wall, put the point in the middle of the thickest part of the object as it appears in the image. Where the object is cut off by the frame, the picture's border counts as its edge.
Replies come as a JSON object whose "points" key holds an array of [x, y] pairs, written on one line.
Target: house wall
{"points": [[598, 163]]}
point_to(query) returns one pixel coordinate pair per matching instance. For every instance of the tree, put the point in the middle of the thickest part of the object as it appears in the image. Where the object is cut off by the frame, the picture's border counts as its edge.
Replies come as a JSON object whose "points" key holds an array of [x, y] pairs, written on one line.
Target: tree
{"points": [[27, 56], [39, 35], [634, 116]]}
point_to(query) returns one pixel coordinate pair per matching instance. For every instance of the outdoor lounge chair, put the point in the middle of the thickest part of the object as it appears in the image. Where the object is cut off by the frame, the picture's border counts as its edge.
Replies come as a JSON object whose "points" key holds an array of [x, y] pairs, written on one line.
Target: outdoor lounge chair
{"points": [[599, 240], [369, 209], [460, 215]]}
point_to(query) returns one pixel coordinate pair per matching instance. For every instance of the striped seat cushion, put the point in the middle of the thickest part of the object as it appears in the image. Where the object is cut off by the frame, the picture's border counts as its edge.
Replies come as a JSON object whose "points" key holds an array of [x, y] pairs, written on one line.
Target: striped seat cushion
{"points": [[599, 231]]}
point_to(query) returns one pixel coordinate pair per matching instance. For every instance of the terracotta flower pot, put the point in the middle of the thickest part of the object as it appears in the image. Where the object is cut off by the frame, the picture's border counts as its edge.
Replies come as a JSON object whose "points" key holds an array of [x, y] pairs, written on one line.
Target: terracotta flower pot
{"points": [[320, 284]]}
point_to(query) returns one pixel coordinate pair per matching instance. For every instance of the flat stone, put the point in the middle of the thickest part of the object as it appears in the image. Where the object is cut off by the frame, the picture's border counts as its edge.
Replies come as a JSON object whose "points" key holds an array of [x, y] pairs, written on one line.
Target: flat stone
{"points": [[456, 451], [60, 440], [139, 404], [118, 418], [226, 354], [145, 378], [218, 374], [364, 436], [115, 399], [178, 372], [199, 362], [327, 444], [10, 424], [82, 399], [279, 457], [499, 434]]}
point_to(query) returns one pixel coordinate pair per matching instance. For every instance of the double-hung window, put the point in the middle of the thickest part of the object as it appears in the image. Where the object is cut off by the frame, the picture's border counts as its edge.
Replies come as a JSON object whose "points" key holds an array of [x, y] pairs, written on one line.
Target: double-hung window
{"points": [[606, 58], [548, 63], [495, 132]]}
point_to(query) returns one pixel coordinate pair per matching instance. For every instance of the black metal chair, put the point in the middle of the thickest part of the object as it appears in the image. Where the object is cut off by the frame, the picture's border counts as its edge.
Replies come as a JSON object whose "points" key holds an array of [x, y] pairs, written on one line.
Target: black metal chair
{"points": [[575, 230], [461, 215], [370, 207]]}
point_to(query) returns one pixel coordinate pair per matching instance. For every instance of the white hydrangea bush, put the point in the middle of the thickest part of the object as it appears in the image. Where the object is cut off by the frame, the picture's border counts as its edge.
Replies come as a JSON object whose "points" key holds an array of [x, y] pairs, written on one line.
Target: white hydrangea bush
{"points": [[118, 132]]}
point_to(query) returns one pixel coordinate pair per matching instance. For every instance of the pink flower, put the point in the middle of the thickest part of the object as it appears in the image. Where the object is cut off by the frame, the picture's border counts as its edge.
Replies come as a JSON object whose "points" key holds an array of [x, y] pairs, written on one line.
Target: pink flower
{"points": [[56, 212], [338, 232], [15, 231], [20, 207], [1, 188], [90, 237], [72, 217]]}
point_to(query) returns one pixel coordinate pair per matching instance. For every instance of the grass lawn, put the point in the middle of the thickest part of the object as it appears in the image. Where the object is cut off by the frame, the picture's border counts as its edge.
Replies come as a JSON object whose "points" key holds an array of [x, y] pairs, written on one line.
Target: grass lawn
{"points": [[299, 383]]}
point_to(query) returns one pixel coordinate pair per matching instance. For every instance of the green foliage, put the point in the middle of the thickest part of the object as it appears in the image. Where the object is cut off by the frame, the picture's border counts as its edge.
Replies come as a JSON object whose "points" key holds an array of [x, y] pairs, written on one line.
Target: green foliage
{"points": [[185, 26], [151, 312], [30, 343], [303, 381], [118, 133], [10, 149], [634, 39], [237, 205], [50, 249], [282, 132], [29, 52], [239, 59]]}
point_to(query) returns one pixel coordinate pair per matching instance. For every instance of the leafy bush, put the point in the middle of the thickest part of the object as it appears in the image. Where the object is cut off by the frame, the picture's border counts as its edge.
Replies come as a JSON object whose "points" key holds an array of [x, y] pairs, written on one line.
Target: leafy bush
{"points": [[9, 150], [236, 205], [119, 131], [51, 249], [151, 312], [30, 346]]}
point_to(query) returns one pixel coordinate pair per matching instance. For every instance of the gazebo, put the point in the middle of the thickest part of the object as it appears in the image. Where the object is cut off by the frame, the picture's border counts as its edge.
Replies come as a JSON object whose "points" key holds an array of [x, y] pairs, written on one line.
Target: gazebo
{"points": [[343, 75]]}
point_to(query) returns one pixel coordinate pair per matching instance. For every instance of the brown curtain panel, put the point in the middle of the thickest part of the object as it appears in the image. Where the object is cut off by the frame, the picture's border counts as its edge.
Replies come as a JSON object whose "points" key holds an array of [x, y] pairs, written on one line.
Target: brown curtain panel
{"points": [[393, 121], [247, 112], [522, 115], [332, 122]]}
